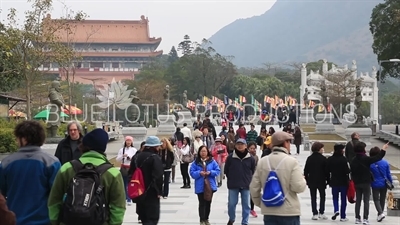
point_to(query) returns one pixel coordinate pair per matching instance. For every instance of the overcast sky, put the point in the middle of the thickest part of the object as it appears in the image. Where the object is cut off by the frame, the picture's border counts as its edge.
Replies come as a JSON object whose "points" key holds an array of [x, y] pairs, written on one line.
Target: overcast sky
{"points": [[170, 20]]}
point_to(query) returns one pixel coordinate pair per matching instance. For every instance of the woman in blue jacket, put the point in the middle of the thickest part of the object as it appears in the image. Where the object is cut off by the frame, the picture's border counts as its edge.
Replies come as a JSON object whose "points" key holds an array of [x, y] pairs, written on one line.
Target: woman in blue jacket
{"points": [[203, 168], [381, 173]]}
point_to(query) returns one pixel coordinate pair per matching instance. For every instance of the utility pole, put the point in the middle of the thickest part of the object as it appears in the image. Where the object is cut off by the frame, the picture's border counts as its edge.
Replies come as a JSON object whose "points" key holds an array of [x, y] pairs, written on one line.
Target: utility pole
{"points": [[94, 80]]}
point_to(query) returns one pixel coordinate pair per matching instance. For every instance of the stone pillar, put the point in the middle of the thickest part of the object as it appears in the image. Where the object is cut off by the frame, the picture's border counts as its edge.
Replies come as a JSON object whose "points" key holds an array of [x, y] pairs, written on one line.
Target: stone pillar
{"points": [[393, 207], [375, 101], [306, 143], [303, 85], [138, 133], [166, 125], [306, 116], [324, 123], [324, 66]]}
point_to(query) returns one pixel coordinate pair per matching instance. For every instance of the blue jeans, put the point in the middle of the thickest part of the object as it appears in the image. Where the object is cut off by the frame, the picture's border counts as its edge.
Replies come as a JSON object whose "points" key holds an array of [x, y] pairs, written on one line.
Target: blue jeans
{"points": [[233, 198], [343, 200], [126, 181], [167, 175], [281, 220]]}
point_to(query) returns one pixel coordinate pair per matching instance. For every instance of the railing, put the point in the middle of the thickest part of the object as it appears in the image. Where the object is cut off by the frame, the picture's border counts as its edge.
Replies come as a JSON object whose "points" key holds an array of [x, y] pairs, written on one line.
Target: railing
{"points": [[390, 137]]}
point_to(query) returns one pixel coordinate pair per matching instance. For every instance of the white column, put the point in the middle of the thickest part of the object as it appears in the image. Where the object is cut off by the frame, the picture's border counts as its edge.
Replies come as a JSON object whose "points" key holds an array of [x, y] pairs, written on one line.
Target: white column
{"points": [[324, 66], [375, 102], [303, 86]]}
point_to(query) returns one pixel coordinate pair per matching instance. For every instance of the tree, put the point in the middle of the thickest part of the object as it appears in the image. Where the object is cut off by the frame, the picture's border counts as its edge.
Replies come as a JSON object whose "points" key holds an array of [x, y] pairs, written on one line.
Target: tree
{"points": [[186, 46], [10, 77], [34, 44], [68, 63], [391, 108], [384, 25], [173, 55], [340, 87]]}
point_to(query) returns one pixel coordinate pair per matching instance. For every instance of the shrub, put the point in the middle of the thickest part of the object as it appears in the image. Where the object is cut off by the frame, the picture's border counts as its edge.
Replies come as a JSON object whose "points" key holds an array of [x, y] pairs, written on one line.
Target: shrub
{"points": [[7, 141]]}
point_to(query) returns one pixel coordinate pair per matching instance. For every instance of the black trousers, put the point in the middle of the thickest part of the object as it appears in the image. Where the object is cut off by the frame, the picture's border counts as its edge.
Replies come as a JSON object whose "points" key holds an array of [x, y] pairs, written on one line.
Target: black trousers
{"points": [[379, 196], [322, 196], [363, 192], [298, 149], [185, 174], [149, 209], [251, 204], [204, 207]]}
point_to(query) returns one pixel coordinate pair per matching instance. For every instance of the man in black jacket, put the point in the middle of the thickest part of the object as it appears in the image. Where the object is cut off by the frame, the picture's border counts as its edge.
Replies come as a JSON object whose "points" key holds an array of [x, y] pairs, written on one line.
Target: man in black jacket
{"points": [[67, 149], [150, 163], [349, 151], [239, 170]]}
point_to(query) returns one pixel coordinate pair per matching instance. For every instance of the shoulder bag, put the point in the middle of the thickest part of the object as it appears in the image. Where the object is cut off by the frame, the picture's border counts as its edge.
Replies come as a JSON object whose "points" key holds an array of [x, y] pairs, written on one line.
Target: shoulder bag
{"points": [[208, 192], [189, 157], [123, 169]]}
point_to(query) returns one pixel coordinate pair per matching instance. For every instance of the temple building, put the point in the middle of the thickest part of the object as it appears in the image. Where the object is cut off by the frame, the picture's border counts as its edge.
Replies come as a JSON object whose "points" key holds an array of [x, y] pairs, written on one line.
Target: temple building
{"points": [[108, 49]]}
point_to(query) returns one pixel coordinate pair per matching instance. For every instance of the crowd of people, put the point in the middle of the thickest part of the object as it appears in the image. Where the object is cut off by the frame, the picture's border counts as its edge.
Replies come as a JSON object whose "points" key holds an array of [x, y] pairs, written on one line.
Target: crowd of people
{"points": [[79, 186]]}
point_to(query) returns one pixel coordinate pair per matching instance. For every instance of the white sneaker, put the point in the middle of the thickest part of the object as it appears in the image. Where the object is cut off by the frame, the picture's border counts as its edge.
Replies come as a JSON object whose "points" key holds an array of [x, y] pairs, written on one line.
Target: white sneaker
{"points": [[322, 216], [381, 217], [344, 220], [365, 222], [358, 221], [315, 217], [129, 203]]}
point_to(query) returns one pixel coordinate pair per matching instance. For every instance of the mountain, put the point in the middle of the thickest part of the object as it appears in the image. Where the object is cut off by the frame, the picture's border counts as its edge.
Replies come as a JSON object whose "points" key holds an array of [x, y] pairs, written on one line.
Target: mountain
{"points": [[302, 31]]}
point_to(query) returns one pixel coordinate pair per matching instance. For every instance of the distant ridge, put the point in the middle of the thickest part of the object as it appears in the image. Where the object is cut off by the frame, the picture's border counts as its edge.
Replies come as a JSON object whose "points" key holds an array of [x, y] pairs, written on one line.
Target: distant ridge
{"points": [[302, 31]]}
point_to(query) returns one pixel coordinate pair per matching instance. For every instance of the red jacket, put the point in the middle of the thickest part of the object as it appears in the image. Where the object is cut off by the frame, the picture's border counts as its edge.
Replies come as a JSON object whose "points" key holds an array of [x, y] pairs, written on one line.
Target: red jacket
{"points": [[221, 157], [241, 133], [6, 216]]}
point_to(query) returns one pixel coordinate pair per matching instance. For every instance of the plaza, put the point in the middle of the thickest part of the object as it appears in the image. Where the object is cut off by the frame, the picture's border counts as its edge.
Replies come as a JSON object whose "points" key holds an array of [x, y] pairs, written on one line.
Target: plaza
{"points": [[182, 204]]}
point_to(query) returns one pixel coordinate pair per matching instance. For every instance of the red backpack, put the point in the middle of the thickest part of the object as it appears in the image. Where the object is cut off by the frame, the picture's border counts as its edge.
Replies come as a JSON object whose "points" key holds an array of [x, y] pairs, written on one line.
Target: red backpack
{"points": [[136, 187]]}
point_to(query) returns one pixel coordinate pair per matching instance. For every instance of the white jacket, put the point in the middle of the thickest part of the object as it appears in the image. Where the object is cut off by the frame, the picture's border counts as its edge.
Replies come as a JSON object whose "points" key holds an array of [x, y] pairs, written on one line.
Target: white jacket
{"points": [[130, 151], [290, 176], [196, 145], [186, 132]]}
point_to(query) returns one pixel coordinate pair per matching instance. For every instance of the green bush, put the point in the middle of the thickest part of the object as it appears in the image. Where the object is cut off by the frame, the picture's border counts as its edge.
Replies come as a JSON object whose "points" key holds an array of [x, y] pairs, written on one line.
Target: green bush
{"points": [[7, 141]]}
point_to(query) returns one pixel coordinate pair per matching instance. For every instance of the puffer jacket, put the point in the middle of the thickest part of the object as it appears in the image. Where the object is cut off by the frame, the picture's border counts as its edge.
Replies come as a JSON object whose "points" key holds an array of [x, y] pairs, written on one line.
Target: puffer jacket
{"points": [[197, 167], [381, 172]]}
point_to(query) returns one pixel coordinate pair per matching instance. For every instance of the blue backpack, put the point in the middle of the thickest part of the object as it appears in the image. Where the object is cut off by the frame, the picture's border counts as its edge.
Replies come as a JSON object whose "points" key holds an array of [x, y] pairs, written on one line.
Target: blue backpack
{"points": [[273, 194]]}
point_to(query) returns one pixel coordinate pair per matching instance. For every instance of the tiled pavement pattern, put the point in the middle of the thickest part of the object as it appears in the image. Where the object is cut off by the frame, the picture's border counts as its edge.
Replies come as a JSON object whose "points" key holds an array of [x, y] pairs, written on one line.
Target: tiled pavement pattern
{"points": [[181, 206]]}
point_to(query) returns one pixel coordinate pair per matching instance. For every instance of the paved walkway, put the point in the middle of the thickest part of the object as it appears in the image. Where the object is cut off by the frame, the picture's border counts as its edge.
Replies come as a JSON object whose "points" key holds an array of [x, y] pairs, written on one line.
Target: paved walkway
{"points": [[181, 206]]}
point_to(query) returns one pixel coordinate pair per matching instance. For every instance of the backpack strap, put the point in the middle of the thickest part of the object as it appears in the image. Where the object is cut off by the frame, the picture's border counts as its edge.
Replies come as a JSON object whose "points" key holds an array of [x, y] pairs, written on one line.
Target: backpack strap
{"points": [[269, 165], [76, 165], [101, 169]]}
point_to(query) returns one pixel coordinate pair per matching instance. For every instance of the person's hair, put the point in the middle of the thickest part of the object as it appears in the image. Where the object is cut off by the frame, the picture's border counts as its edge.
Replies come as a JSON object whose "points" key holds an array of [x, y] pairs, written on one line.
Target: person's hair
{"points": [[374, 151], [78, 126], [172, 141], [338, 151], [142, 144], [241, 125], [32, 131], [359, 147], [251, 143], [128, 146], [178, 129], [169, 146], [271, 130], [296, 128], [353, 135], [231, 130], [184, 124], [317, 146], [198, 152], [187, 141], [224, 128]]}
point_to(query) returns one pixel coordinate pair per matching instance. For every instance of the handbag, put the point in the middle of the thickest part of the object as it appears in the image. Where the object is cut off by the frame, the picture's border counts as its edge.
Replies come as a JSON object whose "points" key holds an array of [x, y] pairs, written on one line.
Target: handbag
{"points": [[208, 193], [388, 184], [123, 169], [189, 158]]}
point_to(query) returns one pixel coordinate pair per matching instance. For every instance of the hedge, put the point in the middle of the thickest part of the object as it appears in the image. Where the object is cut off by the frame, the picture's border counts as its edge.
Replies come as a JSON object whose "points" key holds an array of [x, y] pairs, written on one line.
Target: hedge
{"points": [[8, 142]]}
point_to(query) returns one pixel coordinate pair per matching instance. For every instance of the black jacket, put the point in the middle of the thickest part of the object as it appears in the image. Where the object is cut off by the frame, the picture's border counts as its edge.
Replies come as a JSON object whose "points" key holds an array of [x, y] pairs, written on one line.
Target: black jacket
{"points": [[315, 171], [239, 172], [166, 159], [150, 163], [178, 136], [349, 150], [360, 167], [339, 170], [64, 153]]}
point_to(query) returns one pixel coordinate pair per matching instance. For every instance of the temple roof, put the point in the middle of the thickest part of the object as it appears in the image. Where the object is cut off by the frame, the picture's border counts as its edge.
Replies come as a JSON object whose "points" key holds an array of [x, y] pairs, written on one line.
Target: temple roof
{"points": [[108, 31]]}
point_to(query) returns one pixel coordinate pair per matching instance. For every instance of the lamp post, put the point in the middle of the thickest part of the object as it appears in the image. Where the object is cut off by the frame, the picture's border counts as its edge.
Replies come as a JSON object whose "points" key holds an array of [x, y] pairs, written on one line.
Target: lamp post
{"points": [[380, 85], [110, 96]]}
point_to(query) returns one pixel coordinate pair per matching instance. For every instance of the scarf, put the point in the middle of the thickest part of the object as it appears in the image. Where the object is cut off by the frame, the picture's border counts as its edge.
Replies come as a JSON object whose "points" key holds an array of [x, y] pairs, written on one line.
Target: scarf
{"points": [[241, 155]]}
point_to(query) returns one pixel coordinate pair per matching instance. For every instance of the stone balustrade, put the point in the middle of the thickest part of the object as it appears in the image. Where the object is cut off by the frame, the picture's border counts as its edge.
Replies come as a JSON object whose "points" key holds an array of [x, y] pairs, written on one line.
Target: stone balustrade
{"points": [[388, 136]]}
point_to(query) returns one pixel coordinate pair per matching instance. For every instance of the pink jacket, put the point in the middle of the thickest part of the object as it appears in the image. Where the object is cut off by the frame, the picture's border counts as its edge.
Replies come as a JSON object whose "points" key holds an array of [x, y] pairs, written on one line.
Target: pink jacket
{"points": [[219, 158]]}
